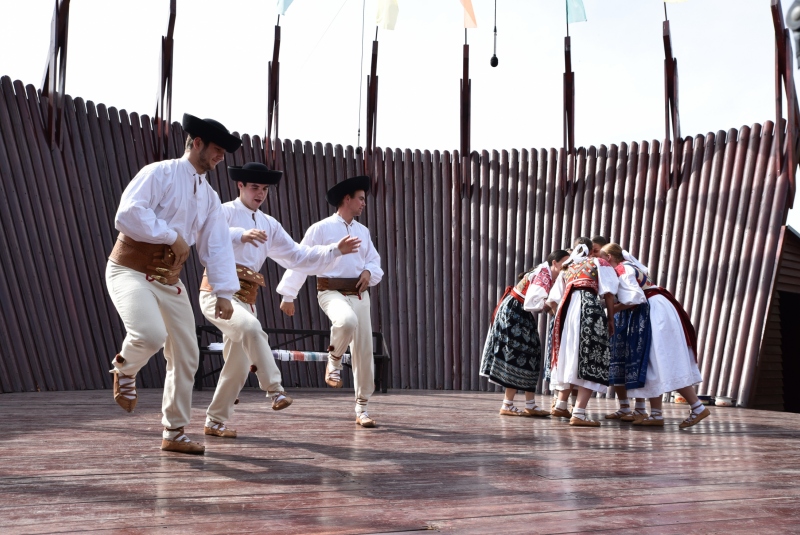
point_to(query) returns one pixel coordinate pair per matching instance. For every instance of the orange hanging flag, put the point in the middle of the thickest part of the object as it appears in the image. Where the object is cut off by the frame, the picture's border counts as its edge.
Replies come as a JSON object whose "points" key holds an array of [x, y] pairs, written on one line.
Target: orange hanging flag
{"points": [[469, 14]]}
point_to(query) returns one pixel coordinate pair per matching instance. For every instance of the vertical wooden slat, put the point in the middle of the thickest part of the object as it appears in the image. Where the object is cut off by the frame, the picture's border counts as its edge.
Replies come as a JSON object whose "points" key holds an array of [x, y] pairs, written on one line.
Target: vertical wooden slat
{"points": [[760, 143]]}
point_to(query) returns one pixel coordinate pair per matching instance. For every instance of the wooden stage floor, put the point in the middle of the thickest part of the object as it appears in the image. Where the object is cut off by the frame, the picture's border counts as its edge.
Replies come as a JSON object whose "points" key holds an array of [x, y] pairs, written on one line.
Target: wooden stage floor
{"points": [[441, 461]]}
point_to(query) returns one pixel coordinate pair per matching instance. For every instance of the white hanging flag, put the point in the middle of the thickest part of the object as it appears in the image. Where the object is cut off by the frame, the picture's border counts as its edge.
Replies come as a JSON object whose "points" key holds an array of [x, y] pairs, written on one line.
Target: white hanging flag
{"points": [[283, 5], [386, 17], [575, 11], [469, 14]]}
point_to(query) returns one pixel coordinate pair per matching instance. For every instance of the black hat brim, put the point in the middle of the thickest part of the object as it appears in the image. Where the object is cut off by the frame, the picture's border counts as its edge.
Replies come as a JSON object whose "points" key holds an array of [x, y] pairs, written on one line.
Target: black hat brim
{"points": [[253, 176], [347, 187], [210, 133]]}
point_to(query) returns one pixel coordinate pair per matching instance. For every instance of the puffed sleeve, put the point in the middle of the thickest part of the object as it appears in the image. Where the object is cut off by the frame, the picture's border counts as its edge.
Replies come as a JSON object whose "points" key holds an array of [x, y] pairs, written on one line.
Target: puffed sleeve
{"points": [[293, 280], [216, 252], [607, 279], [557, 291], [297, 256], [629, 291], [538, 289], [135, 215], [372, 262]]}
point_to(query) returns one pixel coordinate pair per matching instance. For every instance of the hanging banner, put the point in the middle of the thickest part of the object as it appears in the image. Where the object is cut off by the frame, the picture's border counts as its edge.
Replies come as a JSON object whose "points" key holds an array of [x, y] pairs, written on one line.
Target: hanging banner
{"points": [[386, 17], [469, 14], [283, 5], [575, 11]]}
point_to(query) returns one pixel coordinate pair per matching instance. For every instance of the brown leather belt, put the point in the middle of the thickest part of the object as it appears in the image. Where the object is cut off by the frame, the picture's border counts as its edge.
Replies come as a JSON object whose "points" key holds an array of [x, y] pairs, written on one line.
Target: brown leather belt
{"points": [[343, 286], [249, 281], [153, 259]]}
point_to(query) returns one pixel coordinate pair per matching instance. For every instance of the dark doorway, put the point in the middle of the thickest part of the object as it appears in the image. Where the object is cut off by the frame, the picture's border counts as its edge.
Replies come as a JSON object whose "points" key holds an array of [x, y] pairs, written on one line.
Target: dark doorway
{"points": [[790, 348]]}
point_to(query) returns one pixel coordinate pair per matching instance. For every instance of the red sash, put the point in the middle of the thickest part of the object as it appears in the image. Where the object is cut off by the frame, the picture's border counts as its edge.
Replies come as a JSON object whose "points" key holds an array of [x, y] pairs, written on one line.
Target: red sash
{"points": [[514, 294], [686, 322]]}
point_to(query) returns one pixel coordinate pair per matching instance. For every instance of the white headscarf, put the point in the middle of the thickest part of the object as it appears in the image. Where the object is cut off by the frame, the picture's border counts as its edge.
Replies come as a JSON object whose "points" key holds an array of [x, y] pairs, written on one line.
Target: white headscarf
{"points": [[632, 259], [579, 254]]}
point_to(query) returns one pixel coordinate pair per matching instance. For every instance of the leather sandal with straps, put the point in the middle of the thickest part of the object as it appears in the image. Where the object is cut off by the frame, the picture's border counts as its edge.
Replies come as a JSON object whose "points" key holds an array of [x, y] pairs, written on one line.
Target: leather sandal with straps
{"points": [[619, 413], [333, 376], [280, 400], [124, 391], [649, 421], [182, 444], [218, 429], [636, 414], [694, 418], [510, 410], [364, 420], [536, 412]]}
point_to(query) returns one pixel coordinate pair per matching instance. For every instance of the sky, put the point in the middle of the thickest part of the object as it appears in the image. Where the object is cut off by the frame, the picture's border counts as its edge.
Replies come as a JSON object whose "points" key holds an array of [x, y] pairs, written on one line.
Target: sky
{"points": [[725, 52]]}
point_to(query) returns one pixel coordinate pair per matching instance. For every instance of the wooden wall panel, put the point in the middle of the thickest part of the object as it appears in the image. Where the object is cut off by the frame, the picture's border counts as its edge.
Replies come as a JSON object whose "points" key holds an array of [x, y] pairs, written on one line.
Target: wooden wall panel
{"points": [[452, 230]]}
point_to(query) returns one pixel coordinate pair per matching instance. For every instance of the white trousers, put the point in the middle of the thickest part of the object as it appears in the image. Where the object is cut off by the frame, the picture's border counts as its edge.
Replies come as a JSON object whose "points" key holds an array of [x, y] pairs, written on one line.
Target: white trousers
{"points": [[245, 343], [155, 316], [351, 325]]}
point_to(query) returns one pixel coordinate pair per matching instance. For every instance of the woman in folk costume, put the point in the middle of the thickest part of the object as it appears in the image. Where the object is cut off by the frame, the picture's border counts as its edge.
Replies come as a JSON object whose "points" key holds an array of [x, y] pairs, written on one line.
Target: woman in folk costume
{"points": [[536, 301], [512, 353], [581, 332], [671, 364], [630, 346]]}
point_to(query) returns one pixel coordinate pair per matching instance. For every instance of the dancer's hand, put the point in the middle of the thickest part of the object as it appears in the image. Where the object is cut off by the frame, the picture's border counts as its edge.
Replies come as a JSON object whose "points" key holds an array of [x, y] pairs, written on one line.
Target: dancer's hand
{"points": [[288, 308], [181, 250], [254, 236], [363, 281], [224, 309], [349, 244]]}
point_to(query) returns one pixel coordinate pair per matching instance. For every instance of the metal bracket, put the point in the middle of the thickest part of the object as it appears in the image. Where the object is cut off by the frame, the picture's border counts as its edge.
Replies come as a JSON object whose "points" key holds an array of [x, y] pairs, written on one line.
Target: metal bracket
{"points": [[55, 72], [273, 85], [163, 115], [671, 113], [466, 107]]}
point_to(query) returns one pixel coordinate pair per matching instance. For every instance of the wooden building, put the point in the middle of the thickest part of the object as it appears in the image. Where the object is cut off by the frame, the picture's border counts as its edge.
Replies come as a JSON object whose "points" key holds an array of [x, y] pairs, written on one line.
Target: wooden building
{"points": [[778, 373]]}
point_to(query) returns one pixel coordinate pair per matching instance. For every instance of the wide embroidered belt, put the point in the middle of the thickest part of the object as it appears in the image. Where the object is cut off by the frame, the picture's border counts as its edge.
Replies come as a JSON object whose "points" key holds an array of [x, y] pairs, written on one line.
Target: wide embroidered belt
{"points": [[345, 286], [249, 282], [156, 260]]}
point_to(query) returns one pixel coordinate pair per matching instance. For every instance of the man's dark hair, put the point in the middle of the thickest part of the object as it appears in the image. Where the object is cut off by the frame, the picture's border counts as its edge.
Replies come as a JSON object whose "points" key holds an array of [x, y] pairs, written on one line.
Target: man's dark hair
{"points": [[350, 194], [190, 141], [555, 256], [600, 240], [583, 240]]}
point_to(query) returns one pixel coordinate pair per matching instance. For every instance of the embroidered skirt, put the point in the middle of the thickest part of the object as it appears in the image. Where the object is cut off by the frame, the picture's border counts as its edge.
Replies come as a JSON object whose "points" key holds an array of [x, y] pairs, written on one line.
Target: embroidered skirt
{"points": [[630, 347], [551, 321], [584, 355], [512, 352]]}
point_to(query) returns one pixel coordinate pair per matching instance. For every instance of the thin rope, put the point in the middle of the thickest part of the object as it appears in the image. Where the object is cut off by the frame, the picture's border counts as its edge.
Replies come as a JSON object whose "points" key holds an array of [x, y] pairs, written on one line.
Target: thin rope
{"points": [[665, 11], [323, 33], [361, 76]]}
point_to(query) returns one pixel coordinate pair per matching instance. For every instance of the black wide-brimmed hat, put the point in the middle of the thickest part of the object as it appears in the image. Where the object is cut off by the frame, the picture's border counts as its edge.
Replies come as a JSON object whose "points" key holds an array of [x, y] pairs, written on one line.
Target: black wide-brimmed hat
{"points": [[254, 173], [347, 187], [211, 131]]}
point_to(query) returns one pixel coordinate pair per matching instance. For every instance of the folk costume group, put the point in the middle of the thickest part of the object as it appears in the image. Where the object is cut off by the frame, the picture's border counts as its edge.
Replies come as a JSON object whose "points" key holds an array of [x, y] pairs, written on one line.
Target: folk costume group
{"points": [[168, 207], [610, 326]]}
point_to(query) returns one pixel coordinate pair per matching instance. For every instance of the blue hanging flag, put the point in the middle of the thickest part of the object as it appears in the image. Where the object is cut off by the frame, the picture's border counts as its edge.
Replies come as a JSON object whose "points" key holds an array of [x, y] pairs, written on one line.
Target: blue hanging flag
{"points": [[283, 5], [575, 11]]}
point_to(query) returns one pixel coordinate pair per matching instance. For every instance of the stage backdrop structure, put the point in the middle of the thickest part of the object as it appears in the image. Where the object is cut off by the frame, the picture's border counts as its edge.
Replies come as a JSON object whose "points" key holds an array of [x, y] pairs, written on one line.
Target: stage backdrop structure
{"points": [[452, 231]]}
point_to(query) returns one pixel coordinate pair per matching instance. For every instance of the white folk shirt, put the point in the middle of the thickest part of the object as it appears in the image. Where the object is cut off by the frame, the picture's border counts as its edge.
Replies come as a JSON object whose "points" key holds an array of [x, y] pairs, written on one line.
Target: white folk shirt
{"points": [[170, 198], [279, 245], [331, 230]]}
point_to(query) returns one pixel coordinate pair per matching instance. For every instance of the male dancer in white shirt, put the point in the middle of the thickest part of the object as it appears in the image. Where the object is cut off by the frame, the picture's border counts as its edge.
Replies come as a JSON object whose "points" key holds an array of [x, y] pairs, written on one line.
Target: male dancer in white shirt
{"points": [[165, 209], [256, 237], [342, 290]]}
